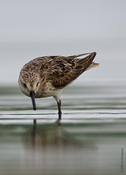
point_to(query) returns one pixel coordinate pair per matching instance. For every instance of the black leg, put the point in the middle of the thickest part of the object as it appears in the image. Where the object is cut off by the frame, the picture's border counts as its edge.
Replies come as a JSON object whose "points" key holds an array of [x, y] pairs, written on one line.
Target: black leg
{"points": [[59, 109]]}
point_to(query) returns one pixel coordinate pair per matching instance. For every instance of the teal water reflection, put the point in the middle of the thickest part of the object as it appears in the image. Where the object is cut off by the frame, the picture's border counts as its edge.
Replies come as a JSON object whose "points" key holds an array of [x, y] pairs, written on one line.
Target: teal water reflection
{"points": [[54, 149], [91, 139]]}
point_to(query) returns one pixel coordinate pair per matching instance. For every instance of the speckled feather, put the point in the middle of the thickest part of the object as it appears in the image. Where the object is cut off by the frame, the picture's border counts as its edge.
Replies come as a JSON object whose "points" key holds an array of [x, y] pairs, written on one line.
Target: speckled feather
{"points": [[59, 70], [47, 76]]}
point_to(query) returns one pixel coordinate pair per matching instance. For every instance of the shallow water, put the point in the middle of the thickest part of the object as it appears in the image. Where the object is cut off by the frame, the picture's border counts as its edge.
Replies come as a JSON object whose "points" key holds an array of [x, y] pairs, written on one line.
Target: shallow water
{"points": [[91, 138]]}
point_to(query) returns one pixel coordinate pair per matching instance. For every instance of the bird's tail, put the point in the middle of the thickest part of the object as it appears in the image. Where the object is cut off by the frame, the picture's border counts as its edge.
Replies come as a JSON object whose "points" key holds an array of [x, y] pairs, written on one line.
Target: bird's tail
{"points": [[93, 65]]}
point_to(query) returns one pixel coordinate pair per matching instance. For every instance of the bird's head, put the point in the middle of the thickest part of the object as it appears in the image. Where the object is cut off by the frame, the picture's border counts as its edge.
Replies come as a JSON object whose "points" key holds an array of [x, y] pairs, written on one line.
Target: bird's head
{"points": [[29, 83]]}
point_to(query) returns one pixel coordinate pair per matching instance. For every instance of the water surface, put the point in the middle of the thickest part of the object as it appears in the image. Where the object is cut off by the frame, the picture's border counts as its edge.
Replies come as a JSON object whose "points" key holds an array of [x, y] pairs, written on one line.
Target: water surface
{"points": [[91, 138]]}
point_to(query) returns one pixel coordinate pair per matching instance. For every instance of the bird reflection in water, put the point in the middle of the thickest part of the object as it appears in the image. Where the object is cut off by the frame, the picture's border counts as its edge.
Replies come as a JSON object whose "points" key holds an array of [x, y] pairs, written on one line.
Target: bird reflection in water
{"points": [[51, 135]]}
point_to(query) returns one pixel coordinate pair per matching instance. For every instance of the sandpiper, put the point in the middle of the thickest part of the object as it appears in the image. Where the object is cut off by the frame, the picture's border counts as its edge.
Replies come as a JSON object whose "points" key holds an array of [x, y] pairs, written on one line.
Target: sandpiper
{"points": [[49, 75]]}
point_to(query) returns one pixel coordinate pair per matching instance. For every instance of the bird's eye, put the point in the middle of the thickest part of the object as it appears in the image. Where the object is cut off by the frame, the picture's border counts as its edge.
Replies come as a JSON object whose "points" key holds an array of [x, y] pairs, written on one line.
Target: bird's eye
{"points": [[25, 86], [37, 84]]}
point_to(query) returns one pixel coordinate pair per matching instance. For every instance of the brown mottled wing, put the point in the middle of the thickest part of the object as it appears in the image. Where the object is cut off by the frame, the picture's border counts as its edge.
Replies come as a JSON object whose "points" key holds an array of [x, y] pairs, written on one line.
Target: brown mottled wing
{"points": [[65, 69]]}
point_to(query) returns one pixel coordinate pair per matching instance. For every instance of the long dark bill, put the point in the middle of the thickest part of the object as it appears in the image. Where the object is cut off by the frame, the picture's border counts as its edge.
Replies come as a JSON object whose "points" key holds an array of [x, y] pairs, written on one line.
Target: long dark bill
{"points": [[32, 95]]}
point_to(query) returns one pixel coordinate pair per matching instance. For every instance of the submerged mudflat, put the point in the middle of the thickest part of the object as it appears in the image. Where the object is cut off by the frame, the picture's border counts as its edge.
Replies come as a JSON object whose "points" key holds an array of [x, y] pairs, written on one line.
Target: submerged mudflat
{"points": [[90, 139]]}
